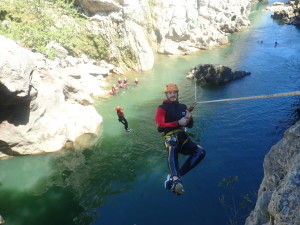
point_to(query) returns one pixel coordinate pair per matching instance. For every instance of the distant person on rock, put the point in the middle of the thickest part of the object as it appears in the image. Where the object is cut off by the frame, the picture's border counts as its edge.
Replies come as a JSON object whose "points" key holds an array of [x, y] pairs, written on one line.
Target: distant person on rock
{"points": [[121, 118], [171, 119]]}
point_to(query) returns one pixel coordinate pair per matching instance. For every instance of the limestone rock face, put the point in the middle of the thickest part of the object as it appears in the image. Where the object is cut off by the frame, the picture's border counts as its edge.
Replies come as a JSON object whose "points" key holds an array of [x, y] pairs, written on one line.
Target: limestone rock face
{"points": [[278, 197], [215, 74], [41, 109], [187, 26], [135, 29]]}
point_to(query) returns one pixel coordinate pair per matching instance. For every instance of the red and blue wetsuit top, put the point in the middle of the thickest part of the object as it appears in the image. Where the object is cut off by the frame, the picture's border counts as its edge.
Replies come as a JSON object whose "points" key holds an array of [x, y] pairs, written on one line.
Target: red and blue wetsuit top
{"points": [[168, 114], [120, 114]]}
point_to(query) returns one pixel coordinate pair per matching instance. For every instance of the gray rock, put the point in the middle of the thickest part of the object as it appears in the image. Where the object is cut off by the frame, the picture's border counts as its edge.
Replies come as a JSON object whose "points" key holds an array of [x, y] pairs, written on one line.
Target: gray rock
{"points": [[215, 74], [135, 29], [42, 108], [278, 197], [288, 13], [93, 6]]}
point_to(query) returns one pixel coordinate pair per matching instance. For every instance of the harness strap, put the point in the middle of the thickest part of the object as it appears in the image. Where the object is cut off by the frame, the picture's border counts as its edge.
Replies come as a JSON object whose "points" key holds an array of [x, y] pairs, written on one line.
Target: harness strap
{"points": [[169, 134], [184, 142]]}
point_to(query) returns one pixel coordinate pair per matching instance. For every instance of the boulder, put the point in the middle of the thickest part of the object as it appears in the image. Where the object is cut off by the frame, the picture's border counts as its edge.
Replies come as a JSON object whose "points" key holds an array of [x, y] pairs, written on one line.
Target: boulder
{"points": [[288, 13], [42, 108], [215, 74]]}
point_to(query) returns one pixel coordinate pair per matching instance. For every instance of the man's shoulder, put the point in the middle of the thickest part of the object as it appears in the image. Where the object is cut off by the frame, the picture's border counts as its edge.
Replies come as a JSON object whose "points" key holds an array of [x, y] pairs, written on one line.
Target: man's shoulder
{"points": [[163, 104]]}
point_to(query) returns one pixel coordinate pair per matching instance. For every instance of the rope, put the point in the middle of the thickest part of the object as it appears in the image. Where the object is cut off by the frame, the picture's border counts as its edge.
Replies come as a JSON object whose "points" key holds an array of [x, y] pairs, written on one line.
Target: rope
{"points": [[253, 97], [195, 92]]}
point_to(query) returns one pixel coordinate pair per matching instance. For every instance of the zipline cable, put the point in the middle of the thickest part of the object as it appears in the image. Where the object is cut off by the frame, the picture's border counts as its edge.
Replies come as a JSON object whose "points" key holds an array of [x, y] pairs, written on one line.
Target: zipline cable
{"points": [[254, 97], [195, 92], [295, 93]]}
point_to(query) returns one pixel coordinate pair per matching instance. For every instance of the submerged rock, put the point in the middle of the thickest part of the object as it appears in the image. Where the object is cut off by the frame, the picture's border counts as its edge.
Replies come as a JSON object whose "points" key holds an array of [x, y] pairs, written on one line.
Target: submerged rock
{"points": [[215, 74]]}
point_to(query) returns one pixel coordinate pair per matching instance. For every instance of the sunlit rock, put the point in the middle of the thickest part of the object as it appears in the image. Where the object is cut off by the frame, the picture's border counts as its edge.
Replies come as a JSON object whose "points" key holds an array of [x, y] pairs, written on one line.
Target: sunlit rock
{"points": [[42, 109], [135, 29], [288, 13]]}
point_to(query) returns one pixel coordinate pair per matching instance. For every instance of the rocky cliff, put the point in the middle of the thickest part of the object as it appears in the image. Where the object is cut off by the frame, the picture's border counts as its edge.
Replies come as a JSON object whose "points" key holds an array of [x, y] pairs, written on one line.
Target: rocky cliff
{"points": [[144, 27], [278, 196]]}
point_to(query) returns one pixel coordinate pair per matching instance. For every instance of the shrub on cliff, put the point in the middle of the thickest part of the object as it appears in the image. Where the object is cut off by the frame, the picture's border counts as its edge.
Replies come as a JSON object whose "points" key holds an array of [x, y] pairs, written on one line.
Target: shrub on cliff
{"points": [[35, 23]]}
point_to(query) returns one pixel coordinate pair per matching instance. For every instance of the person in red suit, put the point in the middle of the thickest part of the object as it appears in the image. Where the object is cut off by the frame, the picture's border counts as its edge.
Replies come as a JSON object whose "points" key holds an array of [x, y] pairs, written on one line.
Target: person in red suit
{"points": [[121, 118]]}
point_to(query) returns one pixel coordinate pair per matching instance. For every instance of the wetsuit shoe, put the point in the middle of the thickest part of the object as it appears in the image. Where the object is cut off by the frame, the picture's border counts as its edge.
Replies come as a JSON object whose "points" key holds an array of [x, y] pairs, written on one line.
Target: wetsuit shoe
{"points": [[168, 182], [128, 130], [177, 187]]}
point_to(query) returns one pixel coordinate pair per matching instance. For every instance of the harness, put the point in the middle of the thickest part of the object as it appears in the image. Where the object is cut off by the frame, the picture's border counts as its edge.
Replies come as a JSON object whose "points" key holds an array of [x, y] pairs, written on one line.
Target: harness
{"points": [[172, 136]]}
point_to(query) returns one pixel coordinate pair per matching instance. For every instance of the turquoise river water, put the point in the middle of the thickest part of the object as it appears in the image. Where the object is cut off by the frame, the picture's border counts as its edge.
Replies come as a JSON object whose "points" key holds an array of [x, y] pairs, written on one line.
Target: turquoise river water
{"points": [[120, 181]]}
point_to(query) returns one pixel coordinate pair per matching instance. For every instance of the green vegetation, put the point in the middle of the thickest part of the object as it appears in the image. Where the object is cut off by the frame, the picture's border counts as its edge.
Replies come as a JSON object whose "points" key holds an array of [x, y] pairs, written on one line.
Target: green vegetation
{"points": [[230, 203], [35, 23]]}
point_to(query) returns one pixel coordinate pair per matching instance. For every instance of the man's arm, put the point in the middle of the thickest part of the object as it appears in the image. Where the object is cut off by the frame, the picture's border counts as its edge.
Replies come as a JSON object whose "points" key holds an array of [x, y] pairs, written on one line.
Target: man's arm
{"points": [[189, 117], [160, 119]]}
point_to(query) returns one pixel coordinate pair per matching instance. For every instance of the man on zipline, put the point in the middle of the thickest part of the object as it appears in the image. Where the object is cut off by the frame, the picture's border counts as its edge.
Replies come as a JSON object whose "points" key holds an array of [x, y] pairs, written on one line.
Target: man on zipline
{"points": [[172, 118]]}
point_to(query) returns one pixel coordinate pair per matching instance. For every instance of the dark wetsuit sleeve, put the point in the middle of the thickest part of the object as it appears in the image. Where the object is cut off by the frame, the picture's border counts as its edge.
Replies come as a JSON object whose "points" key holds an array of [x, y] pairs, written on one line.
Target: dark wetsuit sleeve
{"points": [[160, 119]]}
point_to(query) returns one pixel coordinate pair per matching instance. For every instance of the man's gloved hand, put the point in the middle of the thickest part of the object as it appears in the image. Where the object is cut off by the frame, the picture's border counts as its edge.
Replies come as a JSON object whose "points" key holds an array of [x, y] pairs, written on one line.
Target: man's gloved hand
{"points": [[188, 115], [183, 121]]}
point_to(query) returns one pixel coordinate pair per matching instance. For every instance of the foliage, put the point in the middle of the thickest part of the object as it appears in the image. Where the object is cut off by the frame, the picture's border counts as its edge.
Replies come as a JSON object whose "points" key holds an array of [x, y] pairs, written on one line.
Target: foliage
{"points": [[229, 201], [34, 23]]}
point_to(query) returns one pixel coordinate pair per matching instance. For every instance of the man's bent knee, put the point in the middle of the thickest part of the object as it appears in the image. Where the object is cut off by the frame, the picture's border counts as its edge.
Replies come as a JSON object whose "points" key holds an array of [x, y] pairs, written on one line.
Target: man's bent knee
{"points": [[200, 151]]}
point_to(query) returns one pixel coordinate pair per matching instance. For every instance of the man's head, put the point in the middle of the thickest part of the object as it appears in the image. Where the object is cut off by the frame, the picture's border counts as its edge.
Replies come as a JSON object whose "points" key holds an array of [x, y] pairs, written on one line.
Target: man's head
{"points": [[171, 91]]}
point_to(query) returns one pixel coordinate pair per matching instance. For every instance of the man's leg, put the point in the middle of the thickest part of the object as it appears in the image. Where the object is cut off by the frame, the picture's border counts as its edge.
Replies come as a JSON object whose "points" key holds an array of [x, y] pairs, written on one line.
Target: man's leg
{"points": [[172, 147], [173, 181], [196, 152], [124, 122]]}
